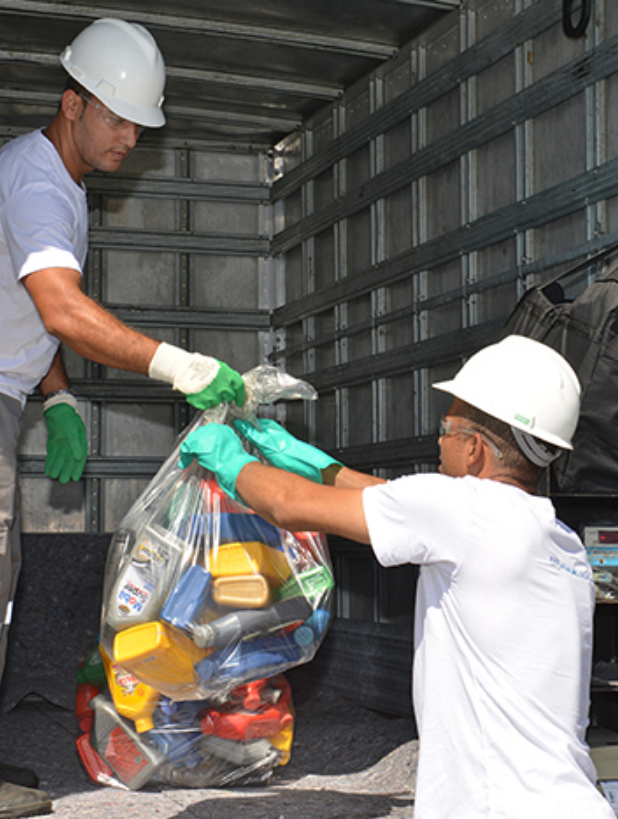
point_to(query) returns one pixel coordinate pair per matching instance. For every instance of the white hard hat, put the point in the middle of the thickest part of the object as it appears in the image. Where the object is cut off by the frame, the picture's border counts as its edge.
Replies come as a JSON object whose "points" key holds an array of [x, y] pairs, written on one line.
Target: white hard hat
{"points": [[121, 65], [524, 383]]}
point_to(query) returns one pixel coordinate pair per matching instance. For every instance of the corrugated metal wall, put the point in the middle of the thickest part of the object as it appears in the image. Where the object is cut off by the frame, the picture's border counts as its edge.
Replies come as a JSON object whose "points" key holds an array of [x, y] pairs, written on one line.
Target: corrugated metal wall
{"points": [[414, 212]]}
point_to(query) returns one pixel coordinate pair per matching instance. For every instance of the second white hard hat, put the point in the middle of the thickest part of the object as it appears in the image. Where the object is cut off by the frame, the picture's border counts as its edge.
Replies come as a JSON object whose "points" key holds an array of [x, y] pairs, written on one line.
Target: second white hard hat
{"points": [[524, 383], [121, 65]]}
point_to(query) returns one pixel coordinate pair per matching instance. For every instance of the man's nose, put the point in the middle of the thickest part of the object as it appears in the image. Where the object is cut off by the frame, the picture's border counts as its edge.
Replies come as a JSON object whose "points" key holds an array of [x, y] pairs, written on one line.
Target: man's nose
{"points": [[130, 134]]}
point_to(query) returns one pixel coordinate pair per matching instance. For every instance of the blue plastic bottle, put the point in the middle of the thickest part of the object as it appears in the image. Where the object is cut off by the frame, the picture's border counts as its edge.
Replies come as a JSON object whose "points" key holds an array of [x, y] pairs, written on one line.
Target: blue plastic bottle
{"points": [[188, 600]]}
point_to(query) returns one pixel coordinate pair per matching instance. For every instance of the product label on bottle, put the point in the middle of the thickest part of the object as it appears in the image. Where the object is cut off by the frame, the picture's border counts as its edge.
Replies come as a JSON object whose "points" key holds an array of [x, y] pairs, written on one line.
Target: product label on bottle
{"points": [[126, 682], [124, 756], [141, 577]]}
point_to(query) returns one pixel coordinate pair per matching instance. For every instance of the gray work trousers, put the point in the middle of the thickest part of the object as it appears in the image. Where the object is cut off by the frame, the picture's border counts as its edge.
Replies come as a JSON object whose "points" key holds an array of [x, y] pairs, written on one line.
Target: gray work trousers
{"points": [[10, 523]]}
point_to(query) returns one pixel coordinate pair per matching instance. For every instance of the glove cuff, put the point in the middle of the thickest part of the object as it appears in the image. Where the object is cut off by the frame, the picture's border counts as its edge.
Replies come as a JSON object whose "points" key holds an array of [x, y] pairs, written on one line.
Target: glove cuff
{"points": [[167, 362], [329, 474], [59, 397], [236, 465], [187, 372]]}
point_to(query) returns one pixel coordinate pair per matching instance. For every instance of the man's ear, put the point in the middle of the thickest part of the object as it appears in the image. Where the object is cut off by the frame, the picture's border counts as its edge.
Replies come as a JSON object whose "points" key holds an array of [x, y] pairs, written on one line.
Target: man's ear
{"points": [[72, 104], [475, 454]]}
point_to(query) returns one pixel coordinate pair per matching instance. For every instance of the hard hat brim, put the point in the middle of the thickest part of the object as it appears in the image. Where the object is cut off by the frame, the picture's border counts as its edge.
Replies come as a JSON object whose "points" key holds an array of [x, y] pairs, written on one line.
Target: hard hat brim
{"points": [[453, 388]]}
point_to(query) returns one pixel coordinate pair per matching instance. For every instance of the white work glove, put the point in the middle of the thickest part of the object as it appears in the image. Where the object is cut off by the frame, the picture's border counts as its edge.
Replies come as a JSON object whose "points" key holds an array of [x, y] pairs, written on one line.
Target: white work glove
{"points": [[205, 381]]}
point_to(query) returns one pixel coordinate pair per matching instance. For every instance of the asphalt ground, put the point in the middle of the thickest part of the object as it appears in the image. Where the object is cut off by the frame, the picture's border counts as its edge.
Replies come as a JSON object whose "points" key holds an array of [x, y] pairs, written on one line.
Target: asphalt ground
{"points": [[346, 761]]}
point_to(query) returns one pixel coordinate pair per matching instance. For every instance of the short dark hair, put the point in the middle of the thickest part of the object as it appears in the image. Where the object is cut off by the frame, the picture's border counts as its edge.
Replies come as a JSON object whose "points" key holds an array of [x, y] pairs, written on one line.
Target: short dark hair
{"points": [[71, 84], [499, 433]]}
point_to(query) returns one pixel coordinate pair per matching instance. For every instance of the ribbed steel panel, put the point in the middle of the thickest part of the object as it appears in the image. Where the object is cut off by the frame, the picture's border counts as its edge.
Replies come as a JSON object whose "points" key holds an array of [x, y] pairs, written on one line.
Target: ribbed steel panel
{"points": [[531, 22], [562, 85], [598, 184]]}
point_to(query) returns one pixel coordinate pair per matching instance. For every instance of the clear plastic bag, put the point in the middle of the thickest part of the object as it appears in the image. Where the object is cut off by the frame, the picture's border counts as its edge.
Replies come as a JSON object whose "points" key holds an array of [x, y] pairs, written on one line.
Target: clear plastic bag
{"points": [[191, 744], [201, 595], [238, 742], [205, 605]]}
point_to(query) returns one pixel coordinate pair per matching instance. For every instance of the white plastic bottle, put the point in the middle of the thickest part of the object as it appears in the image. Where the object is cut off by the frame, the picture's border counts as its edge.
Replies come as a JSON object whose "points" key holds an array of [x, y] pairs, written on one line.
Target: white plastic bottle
{"points": [[157, 560]]}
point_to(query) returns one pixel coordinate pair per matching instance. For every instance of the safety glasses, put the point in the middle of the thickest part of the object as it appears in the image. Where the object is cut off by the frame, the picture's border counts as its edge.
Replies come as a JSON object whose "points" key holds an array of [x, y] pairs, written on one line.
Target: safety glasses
{"points": [[108, 117], [446, 430]]}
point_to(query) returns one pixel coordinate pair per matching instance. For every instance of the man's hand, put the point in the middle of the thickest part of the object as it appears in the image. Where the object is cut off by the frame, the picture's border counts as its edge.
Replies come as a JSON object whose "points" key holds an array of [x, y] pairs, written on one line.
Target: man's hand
{"points": [[217, 448], [205, 381], [282, 449], [67, 445]]}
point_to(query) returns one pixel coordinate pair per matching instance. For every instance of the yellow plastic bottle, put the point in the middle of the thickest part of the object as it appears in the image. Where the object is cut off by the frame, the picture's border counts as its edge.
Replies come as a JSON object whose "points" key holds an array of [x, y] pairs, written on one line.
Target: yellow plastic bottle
{"points": [[161, 656], [132, 698], [249, 557], [282, 741]]}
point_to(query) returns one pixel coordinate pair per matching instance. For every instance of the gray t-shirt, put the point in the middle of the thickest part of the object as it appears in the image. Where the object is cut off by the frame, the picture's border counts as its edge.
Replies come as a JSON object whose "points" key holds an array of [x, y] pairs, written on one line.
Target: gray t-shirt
{"points": [[43, 223]]}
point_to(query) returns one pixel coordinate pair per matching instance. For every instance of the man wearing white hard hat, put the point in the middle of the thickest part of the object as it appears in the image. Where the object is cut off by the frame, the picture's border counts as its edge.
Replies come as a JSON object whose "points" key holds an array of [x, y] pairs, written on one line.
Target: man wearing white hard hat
{"points": [[505, 597], [116, 79]]}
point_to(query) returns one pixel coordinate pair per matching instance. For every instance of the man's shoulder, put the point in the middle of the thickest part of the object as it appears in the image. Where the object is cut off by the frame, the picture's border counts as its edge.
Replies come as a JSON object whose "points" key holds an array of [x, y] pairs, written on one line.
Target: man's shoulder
{"points": [[34, 141], [26, 157], [29, 163]]}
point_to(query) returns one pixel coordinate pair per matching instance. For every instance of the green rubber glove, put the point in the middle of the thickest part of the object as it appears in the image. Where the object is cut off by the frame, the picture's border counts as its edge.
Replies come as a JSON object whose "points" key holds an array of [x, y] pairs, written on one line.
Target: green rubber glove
{"points": [[67, 445], [217, 448], [226, 386], [282, 449]]}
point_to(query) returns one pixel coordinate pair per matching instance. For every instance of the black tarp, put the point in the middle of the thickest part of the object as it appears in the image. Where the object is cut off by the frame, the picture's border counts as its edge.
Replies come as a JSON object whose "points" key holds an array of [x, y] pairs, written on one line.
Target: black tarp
{"points": [[585, 331]]}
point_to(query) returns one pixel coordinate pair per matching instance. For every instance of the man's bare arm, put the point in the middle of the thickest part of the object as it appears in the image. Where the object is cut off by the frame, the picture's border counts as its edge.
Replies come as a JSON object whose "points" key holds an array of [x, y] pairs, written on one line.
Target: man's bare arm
{"points": [[297, 504], [347, 478], [83, 325]]}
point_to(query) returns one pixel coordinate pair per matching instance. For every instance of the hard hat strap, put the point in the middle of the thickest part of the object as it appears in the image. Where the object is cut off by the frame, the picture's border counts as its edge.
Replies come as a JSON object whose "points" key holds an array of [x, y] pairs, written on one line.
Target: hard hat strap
{"points": [[536, 451]]}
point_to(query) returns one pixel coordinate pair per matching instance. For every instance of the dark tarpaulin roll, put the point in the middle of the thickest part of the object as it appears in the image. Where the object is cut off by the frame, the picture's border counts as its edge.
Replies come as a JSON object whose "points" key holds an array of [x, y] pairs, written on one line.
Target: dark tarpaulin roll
{"points": [[585, 332]]}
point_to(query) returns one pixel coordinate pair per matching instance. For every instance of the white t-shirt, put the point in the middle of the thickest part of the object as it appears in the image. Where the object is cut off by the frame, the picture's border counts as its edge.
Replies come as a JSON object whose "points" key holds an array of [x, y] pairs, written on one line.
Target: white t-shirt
{"points": [[503, 645], [43, 223]]}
